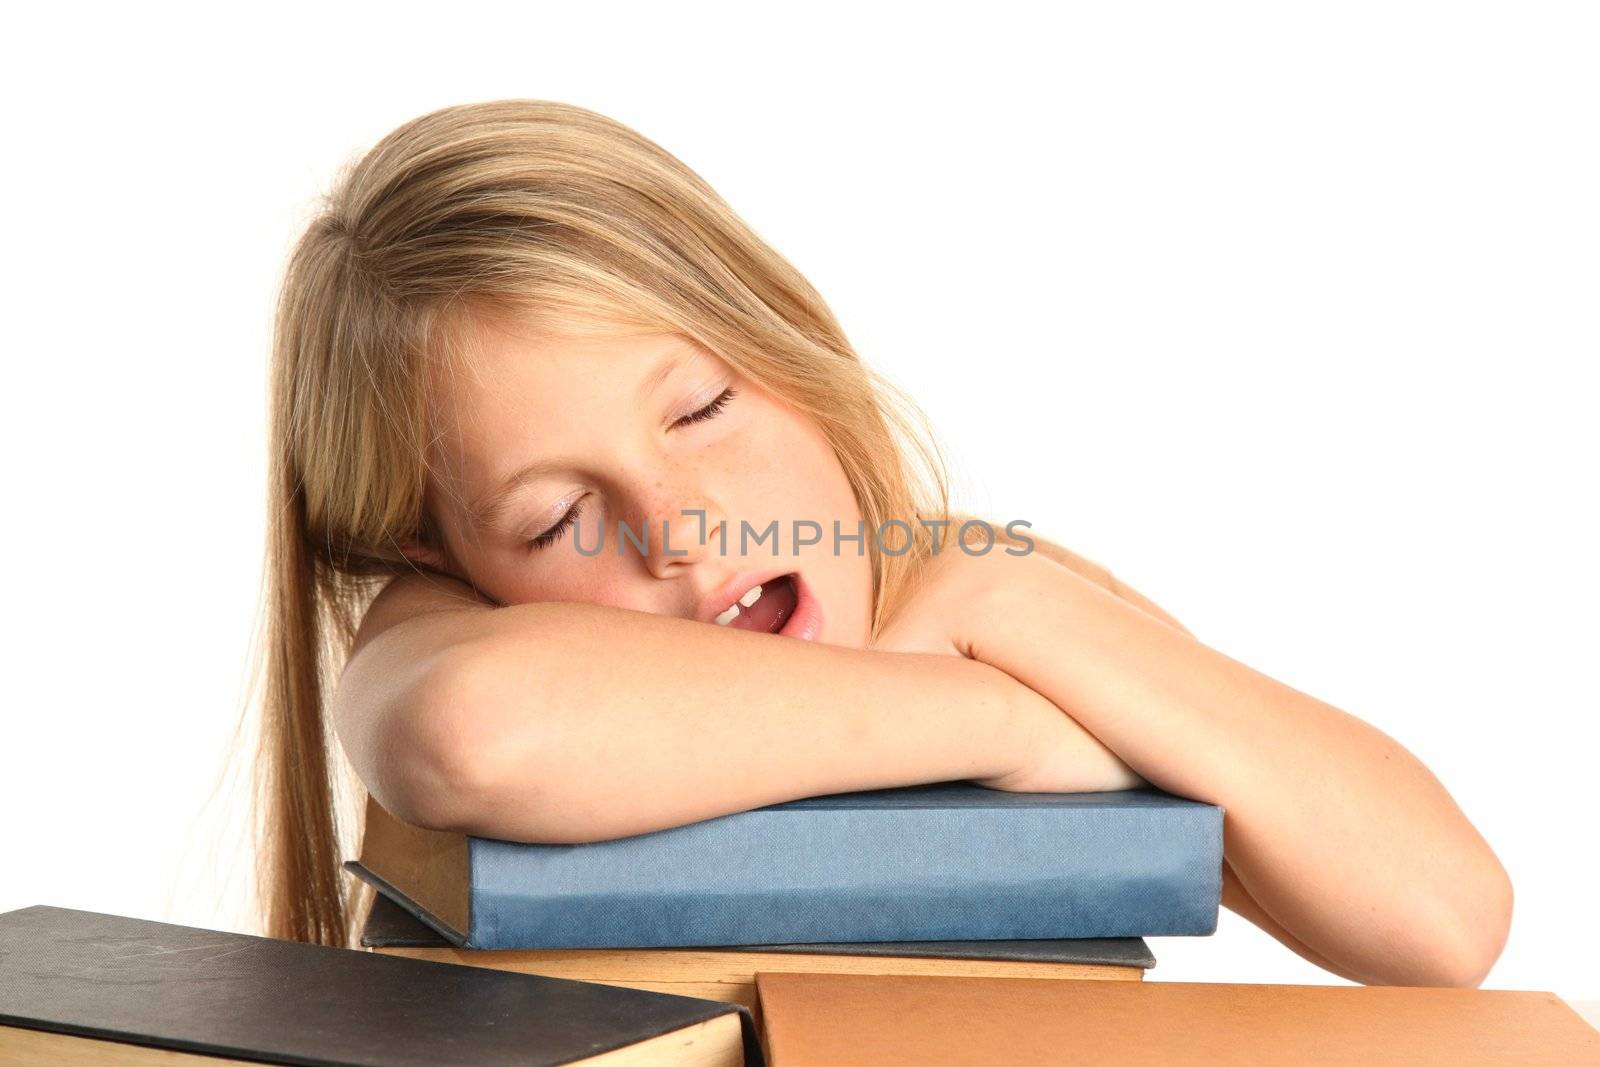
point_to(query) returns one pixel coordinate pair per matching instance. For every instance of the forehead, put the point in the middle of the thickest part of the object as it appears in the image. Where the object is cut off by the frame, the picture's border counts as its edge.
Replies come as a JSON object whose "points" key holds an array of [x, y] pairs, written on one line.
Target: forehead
{"points": [[510, 387]]}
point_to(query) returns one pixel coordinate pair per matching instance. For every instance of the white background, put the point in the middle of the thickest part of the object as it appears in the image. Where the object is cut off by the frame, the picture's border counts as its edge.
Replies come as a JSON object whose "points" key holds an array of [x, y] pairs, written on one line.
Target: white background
{"points": [[1288, 316]]}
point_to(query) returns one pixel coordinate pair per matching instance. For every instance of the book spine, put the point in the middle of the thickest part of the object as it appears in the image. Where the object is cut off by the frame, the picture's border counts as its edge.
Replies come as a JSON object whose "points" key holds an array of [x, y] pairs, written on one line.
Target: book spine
{"points": [[775, 876]]}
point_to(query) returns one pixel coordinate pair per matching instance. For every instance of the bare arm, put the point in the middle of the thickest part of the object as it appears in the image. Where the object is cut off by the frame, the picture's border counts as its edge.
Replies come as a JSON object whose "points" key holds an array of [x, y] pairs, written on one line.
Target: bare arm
{"points": [[1234, 895], [566, 722], [1338, 841]]}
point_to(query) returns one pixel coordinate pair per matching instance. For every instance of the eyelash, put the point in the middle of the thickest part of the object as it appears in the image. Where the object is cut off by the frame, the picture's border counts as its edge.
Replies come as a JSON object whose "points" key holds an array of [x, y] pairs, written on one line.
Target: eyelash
{"points": [[711, 410], [554, 534]]}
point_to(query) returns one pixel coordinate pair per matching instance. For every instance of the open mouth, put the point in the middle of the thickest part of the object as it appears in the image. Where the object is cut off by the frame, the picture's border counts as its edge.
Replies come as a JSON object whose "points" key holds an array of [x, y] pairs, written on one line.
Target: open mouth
{"points": [[766, 608]]}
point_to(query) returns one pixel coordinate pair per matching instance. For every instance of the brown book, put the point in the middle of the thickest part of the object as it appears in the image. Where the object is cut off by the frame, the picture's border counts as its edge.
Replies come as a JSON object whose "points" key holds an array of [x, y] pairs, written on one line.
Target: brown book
{"points": [[811, 1020], [728, 974]]}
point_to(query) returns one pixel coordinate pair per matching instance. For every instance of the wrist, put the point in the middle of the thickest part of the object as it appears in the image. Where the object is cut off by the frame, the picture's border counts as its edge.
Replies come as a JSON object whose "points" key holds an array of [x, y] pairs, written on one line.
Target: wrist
{"points": [[978, 723], [1029, 717]]}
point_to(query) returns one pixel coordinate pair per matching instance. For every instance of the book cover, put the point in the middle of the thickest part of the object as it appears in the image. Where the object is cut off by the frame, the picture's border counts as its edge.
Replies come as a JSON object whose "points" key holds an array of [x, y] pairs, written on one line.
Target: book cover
{"points": [[84, 975], [947, 861], [839, 1020]]}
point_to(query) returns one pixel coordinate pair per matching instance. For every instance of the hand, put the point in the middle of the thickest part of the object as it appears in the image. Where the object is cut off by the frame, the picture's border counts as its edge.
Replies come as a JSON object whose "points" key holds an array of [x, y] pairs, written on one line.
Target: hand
{"points": [[1063, 758], [928, 619], [957, 598]]}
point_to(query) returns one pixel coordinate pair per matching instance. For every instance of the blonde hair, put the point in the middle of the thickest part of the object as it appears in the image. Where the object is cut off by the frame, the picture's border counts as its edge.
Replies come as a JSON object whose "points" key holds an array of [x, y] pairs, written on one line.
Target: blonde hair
{"points": [[561, 218]]}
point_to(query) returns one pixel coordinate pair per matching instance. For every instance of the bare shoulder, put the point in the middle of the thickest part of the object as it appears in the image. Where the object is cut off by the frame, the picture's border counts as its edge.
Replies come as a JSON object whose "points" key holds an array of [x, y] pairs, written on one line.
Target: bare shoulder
{"points": [[1091, 569], [1102, 575], [411, 596], [1031, 541]]}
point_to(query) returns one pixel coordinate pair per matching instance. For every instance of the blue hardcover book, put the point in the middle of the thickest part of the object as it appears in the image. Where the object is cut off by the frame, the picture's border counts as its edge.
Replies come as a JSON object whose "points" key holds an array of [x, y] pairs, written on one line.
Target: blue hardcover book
{"points": [[947, 861]]}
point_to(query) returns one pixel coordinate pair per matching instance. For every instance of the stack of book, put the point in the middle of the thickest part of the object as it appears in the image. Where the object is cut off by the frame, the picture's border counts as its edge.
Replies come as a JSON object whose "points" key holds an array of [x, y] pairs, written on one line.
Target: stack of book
{"points": [[947, 878], [83, 987]]}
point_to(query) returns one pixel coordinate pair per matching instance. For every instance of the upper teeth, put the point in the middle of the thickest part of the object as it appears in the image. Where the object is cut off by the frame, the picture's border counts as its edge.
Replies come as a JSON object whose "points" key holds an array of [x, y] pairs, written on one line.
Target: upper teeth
{"points": [[750, 597]]}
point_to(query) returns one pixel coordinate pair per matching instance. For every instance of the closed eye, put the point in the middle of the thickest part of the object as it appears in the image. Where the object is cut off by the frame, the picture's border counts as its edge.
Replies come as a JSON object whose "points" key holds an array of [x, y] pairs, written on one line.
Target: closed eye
{"points": [[711, 410], [567, 521], [552, 535]]}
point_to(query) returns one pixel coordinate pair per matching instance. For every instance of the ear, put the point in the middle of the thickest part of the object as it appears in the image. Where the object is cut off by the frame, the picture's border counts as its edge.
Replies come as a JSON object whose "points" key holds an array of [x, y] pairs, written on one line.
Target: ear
{"points": [[422, 554]]}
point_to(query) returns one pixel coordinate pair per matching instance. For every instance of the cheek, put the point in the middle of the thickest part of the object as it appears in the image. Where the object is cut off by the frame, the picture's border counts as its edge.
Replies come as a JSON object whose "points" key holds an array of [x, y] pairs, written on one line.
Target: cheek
{"points": [[584, 581], [515, 574], [793, 468], [803, 479]]}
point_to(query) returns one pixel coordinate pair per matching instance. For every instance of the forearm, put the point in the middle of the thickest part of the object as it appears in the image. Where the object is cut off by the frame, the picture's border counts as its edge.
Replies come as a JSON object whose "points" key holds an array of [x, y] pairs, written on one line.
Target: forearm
{"points": [[595, 722], [1342, 836]]}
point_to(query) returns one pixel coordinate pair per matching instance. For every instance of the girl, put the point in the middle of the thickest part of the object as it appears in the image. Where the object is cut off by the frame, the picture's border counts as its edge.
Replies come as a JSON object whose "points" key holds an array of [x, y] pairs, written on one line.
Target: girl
{"points": [[556, 437]]}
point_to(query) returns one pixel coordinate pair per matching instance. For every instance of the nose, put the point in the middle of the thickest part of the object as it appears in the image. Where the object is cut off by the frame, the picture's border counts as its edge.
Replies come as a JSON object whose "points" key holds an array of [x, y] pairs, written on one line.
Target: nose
{"points": [[680, 536]]}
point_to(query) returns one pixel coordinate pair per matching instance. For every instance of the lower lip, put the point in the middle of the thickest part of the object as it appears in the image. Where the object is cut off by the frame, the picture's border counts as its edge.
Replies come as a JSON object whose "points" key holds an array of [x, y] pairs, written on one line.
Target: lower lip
{"points": [[806, 622]]}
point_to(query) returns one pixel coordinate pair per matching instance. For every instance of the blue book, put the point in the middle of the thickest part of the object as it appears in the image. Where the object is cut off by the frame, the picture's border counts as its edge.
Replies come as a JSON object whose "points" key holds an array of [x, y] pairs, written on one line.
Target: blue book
{"points": [[947, 861]]}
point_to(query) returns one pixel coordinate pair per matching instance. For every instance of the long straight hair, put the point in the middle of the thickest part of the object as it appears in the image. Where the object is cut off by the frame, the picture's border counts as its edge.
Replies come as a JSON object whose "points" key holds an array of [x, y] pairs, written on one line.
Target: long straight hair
{"points": [[564, 219]]}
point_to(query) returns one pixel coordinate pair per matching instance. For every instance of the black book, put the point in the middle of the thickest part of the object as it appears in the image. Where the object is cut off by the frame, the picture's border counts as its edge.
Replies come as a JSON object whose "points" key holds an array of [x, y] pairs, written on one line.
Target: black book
{"points": [[67, 976]]}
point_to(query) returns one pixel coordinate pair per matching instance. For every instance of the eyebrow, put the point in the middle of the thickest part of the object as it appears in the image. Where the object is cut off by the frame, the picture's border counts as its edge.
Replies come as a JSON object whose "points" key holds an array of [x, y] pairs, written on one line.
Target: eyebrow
{"points": [[493, 505]]}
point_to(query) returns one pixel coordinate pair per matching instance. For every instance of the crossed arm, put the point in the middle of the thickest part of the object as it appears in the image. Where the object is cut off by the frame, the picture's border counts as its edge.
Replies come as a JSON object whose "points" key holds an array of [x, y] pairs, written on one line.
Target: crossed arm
{"points": [[1337, 841], [491, 720]]}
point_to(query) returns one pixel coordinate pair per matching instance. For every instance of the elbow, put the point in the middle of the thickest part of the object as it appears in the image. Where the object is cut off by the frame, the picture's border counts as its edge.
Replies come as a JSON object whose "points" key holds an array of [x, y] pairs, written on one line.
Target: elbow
{"points": [[1489, 934], [469, 759], [1465, 947], [452, 756]]}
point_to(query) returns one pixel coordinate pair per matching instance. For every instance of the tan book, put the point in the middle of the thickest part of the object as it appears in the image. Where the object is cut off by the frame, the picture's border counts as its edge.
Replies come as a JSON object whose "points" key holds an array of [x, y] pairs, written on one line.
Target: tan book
{"points": [[837, 1020], [728, 974]]}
